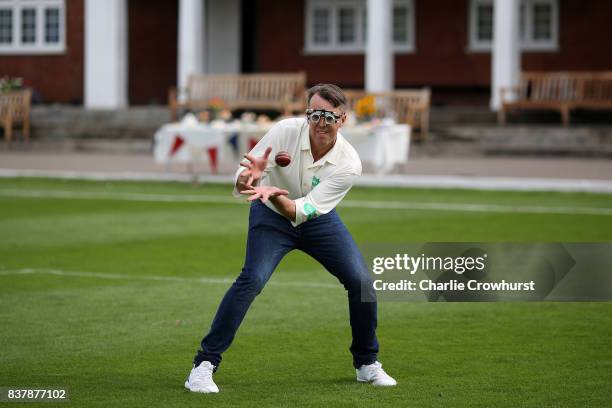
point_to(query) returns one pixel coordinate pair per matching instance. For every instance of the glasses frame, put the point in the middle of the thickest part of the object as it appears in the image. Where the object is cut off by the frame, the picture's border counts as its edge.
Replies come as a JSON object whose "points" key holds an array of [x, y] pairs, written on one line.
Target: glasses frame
{"points": [[330, 117]]}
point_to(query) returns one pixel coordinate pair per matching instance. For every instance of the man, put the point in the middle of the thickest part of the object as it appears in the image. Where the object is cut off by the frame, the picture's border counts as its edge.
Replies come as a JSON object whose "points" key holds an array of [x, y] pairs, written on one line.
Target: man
{"points": [[293, 207]]}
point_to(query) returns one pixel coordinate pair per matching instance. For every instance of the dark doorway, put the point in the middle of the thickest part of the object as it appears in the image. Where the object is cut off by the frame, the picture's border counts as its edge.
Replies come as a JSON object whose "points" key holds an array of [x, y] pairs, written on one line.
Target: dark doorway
{"points": [[152, 42], [249, 35]]}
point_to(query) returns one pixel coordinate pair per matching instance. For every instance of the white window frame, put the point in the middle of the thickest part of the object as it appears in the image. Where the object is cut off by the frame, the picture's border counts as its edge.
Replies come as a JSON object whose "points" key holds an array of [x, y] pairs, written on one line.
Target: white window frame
{"points": [[476, 45], [358, 46], [527, 41], [410, 46], [335, 21], [40, 46]]}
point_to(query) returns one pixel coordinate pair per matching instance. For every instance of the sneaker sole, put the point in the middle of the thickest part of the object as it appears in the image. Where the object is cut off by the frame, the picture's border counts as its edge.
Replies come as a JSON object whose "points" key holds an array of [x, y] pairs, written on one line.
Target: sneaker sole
{"points": [[199, 392], [376, 385]]}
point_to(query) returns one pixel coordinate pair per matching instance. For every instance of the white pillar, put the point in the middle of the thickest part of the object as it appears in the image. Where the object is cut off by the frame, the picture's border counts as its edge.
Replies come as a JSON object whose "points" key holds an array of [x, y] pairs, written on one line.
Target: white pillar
{"points": [[506, 52], [379, 47], [106, 54], [223, 37], [190, 39]]}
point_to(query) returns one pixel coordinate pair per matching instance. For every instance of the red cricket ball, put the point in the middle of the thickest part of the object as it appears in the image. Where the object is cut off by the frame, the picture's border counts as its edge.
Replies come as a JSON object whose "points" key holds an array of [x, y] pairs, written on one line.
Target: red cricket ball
{"points": [[282, 159]]}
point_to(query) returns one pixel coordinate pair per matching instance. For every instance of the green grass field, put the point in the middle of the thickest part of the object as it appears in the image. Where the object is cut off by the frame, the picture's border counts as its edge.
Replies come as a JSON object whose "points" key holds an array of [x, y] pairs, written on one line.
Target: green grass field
{"points": [[100, 292]]}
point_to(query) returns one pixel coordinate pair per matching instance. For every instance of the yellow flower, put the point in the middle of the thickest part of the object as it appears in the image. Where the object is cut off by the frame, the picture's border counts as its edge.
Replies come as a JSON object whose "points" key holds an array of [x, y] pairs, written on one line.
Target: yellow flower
{"points": [[216, 103], [365, 106]]}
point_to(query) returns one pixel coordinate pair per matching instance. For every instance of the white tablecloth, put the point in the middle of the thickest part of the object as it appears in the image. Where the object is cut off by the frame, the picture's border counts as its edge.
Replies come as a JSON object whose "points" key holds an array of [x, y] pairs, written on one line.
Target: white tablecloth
{"points": [[382, 145]]}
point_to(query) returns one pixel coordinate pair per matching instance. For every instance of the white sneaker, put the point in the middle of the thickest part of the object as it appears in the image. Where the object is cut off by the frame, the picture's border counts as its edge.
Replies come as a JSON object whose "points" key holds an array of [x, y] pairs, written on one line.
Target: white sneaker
{"points": [[200, 379], [375, 375]]}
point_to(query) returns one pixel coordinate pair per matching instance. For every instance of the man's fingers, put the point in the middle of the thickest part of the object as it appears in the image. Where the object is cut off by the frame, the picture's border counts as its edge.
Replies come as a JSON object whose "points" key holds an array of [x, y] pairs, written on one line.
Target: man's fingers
{"points": [[263, 193], [246, 174], [246, 164], [267, 153], [254, 197], [264, 196], [250, 158], [250, 181]]}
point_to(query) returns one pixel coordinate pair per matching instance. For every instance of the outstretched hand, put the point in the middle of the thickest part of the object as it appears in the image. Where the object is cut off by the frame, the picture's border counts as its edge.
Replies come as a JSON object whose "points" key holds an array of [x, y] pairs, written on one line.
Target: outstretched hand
{"points": [[263, 192], [255, 167]]}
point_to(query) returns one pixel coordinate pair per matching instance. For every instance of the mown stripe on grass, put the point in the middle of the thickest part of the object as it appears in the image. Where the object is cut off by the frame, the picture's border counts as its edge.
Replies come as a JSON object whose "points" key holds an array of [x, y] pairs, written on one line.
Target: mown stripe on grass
{"points": [[159, 278], [378, 205]]}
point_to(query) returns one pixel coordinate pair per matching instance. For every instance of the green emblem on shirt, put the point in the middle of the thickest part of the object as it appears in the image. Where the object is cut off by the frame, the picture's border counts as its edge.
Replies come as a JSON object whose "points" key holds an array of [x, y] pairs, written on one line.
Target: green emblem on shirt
{"points": [[310, 211], [315, 181]]}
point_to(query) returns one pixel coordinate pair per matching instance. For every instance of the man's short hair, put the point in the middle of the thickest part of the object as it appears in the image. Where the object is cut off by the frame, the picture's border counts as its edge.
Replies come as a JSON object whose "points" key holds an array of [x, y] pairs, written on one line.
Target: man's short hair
{"points": [[330, 92]]}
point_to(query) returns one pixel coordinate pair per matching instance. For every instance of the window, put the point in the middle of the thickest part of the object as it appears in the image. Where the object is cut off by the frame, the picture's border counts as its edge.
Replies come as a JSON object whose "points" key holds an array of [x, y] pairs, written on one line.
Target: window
{"points": [[403, 26], [484, 22], [321, 26], [32, 26], [539, 25], [52, 26], [28, 25], [6, 26], [347, 20], [339, 26]]}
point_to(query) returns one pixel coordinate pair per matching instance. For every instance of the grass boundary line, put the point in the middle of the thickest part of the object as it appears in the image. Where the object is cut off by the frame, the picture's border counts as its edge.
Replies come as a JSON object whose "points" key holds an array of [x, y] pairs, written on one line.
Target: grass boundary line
{"points": [[379, 205], [367, 180]]}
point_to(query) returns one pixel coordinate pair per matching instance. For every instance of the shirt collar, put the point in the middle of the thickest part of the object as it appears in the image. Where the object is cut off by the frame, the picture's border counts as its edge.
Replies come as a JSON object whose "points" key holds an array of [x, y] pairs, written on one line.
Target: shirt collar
{"points": [[332, 155]]}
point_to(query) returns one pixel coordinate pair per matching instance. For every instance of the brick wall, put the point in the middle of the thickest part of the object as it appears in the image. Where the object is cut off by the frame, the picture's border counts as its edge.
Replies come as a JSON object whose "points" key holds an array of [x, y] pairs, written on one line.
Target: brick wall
{"points": [[441, 58], [55, 78]]}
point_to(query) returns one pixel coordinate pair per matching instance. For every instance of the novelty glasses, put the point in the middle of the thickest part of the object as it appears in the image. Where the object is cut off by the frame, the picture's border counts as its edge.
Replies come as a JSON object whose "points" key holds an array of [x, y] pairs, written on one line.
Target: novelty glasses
{"points": [[314, 116]]}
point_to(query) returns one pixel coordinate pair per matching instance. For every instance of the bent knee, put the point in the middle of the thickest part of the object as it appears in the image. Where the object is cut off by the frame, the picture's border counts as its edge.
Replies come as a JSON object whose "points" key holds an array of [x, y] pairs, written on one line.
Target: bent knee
{"points": [[357, 280], [250, 283]]}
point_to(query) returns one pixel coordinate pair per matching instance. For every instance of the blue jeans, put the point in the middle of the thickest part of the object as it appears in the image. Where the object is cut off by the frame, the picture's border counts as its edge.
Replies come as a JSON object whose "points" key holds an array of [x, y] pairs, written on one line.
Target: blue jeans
{"points": [[271, 236]]}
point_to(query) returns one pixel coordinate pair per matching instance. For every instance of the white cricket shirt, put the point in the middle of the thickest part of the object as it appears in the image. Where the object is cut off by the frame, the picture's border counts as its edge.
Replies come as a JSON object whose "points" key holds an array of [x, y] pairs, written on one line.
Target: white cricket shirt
{"points": [[316, 187]]}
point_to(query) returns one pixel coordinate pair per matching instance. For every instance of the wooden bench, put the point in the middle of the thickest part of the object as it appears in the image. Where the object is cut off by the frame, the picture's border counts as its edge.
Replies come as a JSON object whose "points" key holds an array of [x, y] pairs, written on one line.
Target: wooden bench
{"points": [[596, 92], [15, 108], [284, 92], [561, 91], [411, 106]]}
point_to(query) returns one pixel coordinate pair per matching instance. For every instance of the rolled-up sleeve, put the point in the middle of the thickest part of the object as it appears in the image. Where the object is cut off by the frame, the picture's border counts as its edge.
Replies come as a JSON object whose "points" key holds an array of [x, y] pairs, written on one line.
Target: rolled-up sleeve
{"points": [[324, 197], [235, 192]]}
